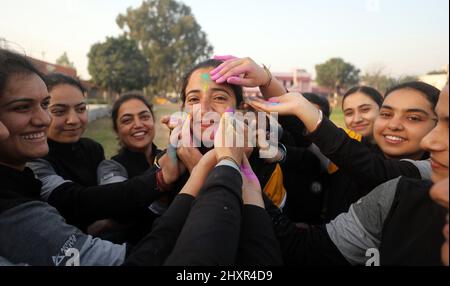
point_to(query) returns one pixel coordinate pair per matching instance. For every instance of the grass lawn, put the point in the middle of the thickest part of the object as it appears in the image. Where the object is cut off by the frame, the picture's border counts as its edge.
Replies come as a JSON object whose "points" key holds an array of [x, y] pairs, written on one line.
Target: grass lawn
{"points": [[338, 117], [101, 130]]}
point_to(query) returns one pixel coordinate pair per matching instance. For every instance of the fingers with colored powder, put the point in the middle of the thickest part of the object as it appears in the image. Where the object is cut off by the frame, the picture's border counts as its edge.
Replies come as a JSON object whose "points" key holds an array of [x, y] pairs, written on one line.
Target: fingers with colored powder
{"points": [[177, 134], [224, 58], [270, 102], [228, 70], [231, 70]]}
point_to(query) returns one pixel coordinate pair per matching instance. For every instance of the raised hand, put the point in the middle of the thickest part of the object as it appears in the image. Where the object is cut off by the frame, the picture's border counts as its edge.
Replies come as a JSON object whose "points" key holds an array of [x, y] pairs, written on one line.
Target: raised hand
{"points": [[186, 151], [240, 71], [224, 140], [291, 104], [288, 104]]}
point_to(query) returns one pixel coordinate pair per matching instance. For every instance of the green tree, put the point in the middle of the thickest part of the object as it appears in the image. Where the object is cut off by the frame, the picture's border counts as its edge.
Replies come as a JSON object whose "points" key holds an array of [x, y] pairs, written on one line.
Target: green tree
{"points": [[118, 65], [169, 37], [336, 74], [377, 79], [63, 60], [406, 78]]}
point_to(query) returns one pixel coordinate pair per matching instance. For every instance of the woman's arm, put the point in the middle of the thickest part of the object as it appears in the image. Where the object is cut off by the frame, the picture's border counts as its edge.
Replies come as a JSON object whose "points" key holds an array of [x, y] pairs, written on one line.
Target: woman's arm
{"points": [[258, 244], [78, 203], [210, 235], [157, 245], [364, 166]]}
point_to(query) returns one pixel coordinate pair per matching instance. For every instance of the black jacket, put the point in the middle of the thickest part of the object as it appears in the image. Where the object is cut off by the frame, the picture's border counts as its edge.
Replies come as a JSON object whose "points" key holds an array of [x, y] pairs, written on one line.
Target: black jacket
{"points": [[17, 187], [82, 202], [81, 205], [135, 163], [362, 167], [221, 231], [310, 246], [78, 161], [305, 181], [32, 232], [400, 221], [412, 232]]}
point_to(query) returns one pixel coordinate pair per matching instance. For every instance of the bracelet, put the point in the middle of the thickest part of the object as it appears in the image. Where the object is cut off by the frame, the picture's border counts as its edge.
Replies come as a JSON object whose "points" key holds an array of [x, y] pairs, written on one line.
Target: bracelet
{"points": [[270, 77], [320, 119], [229, 158], [283, 152], [158, 157]]}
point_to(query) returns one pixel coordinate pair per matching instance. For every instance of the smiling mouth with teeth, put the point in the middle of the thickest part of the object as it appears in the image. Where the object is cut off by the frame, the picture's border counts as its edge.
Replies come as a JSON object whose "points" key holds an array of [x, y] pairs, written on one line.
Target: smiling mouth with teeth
{"points": [[394, 139], [139, 134], [34, 136]]}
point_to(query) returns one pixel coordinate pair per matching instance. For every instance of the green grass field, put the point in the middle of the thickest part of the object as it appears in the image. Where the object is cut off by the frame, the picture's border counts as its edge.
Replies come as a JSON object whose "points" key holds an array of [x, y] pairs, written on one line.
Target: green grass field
{"points": [[102, 131], [338, 117]]}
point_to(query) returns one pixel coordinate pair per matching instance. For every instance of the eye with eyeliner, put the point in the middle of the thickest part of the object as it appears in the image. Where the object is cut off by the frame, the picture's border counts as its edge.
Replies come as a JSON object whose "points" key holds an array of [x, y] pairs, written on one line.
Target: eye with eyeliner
{"points": [[22, 107], [385, 115], [414, 118]]}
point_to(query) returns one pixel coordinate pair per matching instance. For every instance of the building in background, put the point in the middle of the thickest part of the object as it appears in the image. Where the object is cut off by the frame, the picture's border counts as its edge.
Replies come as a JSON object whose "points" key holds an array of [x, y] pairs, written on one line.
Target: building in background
{"points": [[46, 68], [436, 79], [298, 80]]}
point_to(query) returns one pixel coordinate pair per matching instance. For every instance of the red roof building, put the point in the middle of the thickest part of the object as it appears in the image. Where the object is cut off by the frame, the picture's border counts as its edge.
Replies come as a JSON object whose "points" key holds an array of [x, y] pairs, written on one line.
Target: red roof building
{"points": [[298, 80], [47, 68]]}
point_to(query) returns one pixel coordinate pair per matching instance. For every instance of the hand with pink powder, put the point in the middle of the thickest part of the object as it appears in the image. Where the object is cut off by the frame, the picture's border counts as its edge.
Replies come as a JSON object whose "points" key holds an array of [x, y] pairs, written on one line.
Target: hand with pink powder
{"points": [[251, 188]]}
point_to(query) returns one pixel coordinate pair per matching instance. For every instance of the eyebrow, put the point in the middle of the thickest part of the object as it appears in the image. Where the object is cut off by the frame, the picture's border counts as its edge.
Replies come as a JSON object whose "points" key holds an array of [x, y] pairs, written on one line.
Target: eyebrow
{"points": [[23, 100], [67, 105], [407, 110], [213, 89], [140, 113], [220, 89]]}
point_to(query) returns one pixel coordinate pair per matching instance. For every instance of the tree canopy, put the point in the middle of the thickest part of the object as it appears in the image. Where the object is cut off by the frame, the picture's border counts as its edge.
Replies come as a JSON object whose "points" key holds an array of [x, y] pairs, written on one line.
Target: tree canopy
{"points": [[63, 60], [336, 74], [377, 79], [169, 37], [117, 64]]}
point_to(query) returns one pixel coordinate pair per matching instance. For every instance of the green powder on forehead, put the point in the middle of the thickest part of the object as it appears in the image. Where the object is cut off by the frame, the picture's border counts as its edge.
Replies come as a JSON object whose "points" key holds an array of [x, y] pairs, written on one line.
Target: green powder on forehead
{"points": [[206, 79]]}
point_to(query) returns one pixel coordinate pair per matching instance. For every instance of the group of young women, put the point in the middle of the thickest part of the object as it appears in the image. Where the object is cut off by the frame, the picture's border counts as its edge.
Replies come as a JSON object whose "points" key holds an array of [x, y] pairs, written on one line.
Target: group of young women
{"points": [[353, 190]]}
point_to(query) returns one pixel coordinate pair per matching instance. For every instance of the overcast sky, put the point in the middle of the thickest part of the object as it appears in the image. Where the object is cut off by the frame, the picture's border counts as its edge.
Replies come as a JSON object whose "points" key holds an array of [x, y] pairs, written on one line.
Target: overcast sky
{"points": [[403, 36]]}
